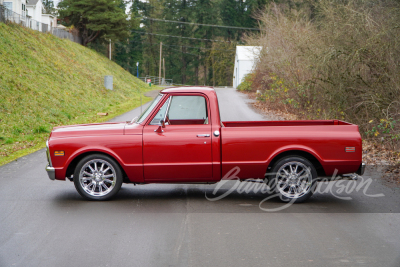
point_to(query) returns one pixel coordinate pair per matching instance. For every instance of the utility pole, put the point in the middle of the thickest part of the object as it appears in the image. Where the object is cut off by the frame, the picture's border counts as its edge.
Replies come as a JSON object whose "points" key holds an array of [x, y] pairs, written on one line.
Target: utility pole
{"points": [[163, 62], [159, 71], [109, 50], [213, 70]]}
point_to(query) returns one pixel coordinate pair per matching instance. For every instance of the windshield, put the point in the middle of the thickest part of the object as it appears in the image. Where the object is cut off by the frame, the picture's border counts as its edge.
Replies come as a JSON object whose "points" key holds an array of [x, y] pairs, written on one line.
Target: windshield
{"points": [[149, 109]]}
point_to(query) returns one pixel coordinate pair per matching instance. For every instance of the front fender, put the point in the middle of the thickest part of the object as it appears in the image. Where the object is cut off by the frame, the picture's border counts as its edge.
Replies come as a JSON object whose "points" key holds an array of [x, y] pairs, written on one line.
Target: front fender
{"points": [[125, 149]]}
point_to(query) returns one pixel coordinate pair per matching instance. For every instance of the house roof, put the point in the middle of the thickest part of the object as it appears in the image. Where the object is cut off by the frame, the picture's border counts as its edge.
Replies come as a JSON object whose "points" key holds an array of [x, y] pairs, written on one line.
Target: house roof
{"points": [[247, 52], [32, 2]]}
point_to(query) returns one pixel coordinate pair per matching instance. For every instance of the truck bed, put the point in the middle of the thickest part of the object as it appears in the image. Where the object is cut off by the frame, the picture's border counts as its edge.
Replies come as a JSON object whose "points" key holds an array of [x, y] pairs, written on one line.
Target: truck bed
{"points": [[253, 144]]}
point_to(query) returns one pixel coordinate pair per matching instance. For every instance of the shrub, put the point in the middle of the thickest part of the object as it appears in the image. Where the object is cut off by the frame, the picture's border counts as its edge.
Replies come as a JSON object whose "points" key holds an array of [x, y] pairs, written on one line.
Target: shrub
{"points": [[338, 59], [246, 84]]}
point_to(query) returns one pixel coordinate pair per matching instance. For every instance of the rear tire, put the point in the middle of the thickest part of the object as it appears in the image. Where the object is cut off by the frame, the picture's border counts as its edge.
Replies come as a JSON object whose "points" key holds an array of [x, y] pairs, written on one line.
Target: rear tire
{"points": [[97, 177], [293, 179]]}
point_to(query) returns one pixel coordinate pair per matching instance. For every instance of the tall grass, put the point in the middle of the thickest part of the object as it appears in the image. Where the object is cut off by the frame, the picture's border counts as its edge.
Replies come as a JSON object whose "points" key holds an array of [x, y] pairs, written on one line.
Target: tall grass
{"points": [[343, 62]]}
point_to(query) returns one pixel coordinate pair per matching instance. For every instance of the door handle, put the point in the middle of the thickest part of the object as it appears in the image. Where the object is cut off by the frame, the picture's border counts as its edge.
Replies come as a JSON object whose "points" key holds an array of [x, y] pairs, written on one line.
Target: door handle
{"points": [[203, 135]]}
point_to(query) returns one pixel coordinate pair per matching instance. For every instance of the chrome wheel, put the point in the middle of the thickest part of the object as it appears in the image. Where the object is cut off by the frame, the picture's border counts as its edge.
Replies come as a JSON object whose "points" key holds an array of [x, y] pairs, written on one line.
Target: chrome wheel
{"points": [[97, 177], [294, 179]]}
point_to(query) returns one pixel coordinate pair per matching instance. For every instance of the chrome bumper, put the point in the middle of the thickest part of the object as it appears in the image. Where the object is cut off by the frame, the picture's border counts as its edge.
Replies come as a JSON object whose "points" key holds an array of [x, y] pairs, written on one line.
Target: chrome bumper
{"points": [[347, 176], [361, 170], [51, 172]]}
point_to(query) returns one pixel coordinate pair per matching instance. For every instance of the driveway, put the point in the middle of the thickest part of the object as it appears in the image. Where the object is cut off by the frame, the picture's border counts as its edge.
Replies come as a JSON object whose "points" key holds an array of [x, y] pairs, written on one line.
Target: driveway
{"points": [[47, 223]]}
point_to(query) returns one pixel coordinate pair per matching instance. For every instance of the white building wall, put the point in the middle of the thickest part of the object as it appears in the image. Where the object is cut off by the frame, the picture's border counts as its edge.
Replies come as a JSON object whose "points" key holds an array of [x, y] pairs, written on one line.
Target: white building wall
{"points": [[49, 20], [17, 6], [242, 67], [245, 60], [9, 5], [35, 12], [29, 10], [38, 12]]}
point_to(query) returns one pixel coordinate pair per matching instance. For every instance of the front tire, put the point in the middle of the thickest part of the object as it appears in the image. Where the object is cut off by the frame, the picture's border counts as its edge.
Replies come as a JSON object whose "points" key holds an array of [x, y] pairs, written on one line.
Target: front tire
{"points": [[97, 177], [294, 179]]}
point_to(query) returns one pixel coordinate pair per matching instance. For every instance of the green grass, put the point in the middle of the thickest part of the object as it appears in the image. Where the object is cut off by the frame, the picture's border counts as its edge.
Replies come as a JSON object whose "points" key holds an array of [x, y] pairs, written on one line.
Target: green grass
{"points": [[46, 81]]}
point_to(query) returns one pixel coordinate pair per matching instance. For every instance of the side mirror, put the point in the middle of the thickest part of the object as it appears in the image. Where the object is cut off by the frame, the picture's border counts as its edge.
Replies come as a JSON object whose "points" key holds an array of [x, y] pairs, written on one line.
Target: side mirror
{"points": [[159, 128]]}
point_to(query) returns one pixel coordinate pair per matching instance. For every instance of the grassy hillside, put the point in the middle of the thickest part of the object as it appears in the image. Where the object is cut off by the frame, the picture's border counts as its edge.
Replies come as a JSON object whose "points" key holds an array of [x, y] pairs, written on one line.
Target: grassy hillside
{"points": [[46, 81]]}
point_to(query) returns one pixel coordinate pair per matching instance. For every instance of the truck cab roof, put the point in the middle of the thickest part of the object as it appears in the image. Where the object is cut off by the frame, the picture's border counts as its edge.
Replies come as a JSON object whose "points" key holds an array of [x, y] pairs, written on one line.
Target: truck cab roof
{"points": [[188, 89]]}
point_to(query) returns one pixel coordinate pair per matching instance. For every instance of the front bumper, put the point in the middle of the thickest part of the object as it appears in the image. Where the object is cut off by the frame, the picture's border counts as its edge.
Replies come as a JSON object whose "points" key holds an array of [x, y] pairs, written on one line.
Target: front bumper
{"points": [[361, 169], [51, 172]]}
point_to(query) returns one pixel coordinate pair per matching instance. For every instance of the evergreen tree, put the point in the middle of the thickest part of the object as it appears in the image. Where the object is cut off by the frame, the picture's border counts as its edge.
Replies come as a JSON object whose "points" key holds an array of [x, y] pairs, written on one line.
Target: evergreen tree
{"points": [[206, 12], [239, 14], [95, 19], [151, 43], [130, 51], [187, 61]]}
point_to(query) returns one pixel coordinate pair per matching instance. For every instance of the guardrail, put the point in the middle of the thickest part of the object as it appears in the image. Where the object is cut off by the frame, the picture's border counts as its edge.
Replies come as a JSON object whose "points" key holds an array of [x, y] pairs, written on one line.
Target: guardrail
{"points": [[157, 81]]}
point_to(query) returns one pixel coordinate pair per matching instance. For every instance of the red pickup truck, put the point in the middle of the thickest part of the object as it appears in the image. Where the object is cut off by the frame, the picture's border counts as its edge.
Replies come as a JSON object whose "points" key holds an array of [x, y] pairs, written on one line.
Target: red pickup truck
{"points": [[180, 138]]}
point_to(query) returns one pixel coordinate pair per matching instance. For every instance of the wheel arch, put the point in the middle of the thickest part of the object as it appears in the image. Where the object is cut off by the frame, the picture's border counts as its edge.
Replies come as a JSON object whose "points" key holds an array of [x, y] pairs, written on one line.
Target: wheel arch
{"points": [[72, 165], [301, 153]]}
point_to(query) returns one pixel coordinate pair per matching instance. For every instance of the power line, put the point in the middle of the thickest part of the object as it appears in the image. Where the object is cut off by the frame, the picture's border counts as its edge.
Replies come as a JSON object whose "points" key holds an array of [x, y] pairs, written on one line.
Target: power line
{"points": [[200, 24], [201, 48], [204, 48], [192, 38]]}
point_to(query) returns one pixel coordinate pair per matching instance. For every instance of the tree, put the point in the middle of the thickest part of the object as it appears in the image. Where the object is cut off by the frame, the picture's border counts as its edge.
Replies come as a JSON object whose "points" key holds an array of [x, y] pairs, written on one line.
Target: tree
{"points": [[150, 48], [130, 51], [206, 12], [240, 14], [95, 19], [191, 54], [48, 7], [220, 56]]}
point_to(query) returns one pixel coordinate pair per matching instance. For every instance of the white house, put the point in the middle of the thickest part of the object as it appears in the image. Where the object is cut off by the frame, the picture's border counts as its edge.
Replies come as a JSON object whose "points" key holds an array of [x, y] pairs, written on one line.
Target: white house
{"points": [[34, 8], [17, 6], [49, 20], [245, 60]]}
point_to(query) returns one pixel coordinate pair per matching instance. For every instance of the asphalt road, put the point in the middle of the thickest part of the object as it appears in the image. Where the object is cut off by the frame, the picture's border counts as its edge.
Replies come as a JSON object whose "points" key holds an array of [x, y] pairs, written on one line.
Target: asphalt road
{"points": [[47, 223]]}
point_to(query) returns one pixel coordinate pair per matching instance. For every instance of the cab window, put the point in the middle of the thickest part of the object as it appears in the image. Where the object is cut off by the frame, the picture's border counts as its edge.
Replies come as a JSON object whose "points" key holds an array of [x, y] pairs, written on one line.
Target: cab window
{"points": [[185, 110]]}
